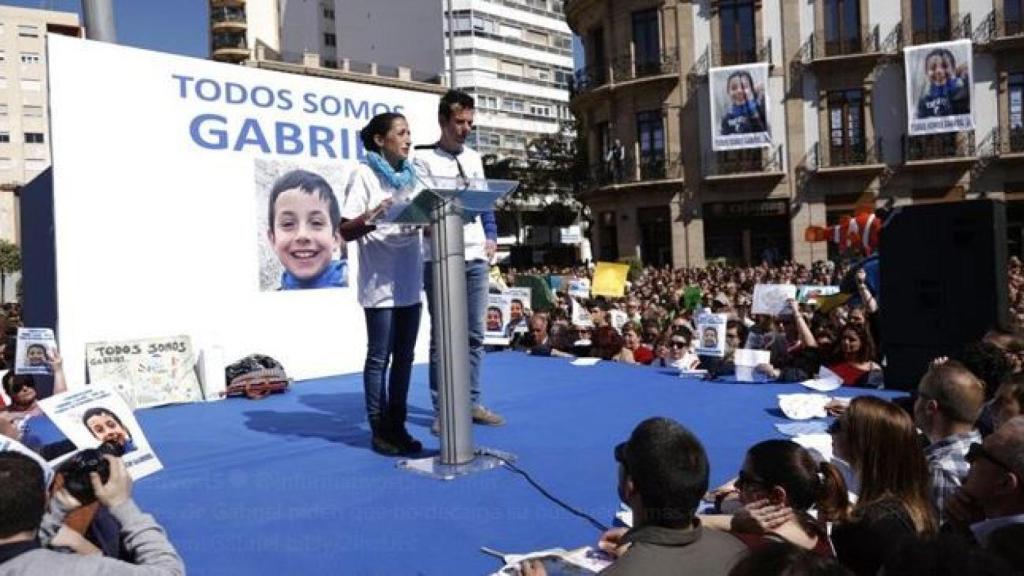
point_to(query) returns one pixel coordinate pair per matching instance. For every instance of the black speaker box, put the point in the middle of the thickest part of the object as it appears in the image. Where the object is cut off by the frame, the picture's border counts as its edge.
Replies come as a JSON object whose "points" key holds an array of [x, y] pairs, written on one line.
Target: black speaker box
{"points": [[943, 283]]}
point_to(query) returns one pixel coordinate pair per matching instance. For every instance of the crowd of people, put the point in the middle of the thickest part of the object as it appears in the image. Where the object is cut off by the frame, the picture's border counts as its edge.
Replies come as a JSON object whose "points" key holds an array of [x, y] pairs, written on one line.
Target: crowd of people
{"points": [[938, 476]]}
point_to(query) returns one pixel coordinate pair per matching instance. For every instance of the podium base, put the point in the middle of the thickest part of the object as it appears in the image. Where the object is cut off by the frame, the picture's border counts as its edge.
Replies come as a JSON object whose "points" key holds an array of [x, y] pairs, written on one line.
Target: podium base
{"points": [[485, 459]]}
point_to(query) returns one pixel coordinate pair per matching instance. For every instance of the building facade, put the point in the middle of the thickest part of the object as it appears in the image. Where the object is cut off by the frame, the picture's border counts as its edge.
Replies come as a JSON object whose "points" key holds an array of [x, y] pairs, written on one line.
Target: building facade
{"points": [[838, 112], [24, 117], [515, 58]]}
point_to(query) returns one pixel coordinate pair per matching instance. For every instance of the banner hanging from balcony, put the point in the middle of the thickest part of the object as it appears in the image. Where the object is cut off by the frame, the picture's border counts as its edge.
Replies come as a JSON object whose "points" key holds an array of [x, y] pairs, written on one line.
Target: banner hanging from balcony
{"points": [[739, 107], [939, 87]]}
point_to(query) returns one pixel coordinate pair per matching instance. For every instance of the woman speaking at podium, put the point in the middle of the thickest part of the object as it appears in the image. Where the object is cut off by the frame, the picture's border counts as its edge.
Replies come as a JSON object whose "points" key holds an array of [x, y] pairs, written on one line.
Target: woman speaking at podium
{"points": [[389, 280]]}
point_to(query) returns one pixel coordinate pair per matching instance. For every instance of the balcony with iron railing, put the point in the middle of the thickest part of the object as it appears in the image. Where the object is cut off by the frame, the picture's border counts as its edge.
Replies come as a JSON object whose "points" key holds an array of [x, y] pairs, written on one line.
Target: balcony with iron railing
{"points": [[749, 164], [227, 17], [626, 70], [1001, 32], [649, 170], [219, 3], [949, 150], [958, 28], [229, 46], [862, 158], [713, 57]]}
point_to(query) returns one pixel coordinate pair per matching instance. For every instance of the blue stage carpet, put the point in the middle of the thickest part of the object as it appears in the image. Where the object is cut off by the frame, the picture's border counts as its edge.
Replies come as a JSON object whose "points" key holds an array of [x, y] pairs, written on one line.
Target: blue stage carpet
{"points": [[288, 485]]}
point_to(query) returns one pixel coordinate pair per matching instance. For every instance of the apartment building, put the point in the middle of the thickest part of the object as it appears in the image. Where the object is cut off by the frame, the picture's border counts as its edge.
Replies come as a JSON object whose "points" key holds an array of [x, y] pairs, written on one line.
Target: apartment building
{"points": [[837, 101], [515, 57], [24, 118]]}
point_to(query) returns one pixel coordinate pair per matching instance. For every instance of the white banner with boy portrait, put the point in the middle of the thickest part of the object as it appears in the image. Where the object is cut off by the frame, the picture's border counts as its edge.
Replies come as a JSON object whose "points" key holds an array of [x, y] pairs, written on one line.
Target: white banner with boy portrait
{"points": [[228, 181], [940, 87], [740, 112], [98, 414], [711, 334]]}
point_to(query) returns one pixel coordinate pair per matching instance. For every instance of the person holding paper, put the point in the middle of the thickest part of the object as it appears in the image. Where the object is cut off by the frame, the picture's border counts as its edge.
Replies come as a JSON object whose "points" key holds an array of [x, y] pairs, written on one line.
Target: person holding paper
{"points": [[389, 279], [450, 157]]}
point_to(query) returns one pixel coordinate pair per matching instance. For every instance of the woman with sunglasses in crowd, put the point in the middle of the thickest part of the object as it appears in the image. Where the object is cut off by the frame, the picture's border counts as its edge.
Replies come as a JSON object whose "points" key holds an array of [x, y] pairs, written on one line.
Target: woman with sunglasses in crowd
{"points": [[779, 485], [879, 442]]}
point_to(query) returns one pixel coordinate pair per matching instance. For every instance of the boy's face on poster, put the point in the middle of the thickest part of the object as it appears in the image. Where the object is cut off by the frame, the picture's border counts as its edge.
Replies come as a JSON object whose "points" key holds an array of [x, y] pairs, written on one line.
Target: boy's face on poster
{"points": [[939, 69], [302, 235], [36, 355], [493, 319], [106, 429], [739, 89]]}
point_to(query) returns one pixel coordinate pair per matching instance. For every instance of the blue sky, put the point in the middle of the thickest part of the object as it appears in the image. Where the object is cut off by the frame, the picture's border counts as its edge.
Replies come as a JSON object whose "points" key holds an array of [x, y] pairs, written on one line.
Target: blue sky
{"points": [[176, 26]]}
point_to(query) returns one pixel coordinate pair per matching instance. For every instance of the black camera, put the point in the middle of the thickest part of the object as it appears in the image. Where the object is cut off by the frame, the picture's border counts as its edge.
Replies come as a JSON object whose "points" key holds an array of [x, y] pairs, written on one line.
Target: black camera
{"points": [[77, 468]]}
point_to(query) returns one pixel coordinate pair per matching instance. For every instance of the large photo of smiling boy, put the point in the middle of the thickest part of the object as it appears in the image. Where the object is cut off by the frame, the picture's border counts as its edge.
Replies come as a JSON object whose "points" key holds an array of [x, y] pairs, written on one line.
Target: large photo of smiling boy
{"points": [[939, 87], [739, 107], [298, 216]]}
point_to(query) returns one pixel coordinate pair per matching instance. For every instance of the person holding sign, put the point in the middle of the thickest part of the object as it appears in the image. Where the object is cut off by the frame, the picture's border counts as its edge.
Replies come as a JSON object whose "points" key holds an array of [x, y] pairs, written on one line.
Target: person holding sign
{"points": [[389, 279]]}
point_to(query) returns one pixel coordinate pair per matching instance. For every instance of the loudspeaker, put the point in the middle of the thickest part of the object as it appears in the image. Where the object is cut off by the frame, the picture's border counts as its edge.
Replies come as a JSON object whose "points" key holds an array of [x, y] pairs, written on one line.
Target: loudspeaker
{"points": [[943, 283]]}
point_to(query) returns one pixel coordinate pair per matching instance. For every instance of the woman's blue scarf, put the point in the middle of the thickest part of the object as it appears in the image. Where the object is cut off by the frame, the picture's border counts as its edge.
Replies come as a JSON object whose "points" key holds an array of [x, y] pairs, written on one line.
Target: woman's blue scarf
{"points": [[384, 169]]}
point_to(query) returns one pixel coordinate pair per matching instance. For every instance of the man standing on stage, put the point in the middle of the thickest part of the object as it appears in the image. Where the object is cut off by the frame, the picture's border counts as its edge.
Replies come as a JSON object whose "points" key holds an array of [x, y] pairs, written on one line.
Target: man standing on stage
{"points": [[450, 157]]}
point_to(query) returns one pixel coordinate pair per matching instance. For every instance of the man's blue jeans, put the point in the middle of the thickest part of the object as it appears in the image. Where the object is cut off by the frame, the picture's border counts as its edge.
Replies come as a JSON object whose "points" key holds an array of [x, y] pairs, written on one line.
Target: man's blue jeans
{"points": [[477, 278], [390, 339]]}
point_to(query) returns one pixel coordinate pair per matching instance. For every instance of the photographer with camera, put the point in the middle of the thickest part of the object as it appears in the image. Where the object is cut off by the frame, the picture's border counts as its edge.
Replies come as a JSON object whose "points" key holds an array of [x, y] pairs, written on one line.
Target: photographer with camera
{"points": [[24, 520]]}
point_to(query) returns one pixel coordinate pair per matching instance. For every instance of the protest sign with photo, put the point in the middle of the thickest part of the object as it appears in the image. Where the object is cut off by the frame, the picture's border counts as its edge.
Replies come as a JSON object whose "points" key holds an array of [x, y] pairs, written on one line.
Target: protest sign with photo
{"points": [[812, 294], [519, 309], [580, 315], [498, 311], [771, 298], [739, 107], [711, 334], [610, 279], [579, 288], [35, 345], [98, 414], [939, 88], [146, 372]]}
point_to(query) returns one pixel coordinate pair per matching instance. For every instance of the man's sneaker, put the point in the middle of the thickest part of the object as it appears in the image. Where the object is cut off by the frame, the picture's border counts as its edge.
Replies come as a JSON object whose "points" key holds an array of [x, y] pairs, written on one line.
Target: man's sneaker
{"points": [[484, 416]]}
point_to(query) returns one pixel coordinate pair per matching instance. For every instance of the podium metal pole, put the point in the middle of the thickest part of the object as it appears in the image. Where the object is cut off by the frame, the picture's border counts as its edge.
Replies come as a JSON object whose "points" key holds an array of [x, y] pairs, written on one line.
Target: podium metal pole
{"points": [[451, 335]]}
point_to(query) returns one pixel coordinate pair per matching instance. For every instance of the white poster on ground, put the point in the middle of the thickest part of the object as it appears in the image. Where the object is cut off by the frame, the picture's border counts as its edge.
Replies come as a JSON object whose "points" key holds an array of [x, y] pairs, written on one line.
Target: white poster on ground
{"points": [[181, 156], [740, 113], [940, 91], [98, 414], [35, 348], [147, 372]]}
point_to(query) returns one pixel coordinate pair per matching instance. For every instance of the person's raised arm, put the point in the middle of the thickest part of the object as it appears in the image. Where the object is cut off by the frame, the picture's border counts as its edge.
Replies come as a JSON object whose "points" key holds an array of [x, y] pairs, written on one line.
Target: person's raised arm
{"points": [[870, 304], [56, 363], [804, 331]]}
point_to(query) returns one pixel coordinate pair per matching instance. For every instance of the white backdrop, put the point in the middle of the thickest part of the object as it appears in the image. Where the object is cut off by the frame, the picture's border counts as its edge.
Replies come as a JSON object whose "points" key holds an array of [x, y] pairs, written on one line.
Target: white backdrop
{"points": [[154, 219]]}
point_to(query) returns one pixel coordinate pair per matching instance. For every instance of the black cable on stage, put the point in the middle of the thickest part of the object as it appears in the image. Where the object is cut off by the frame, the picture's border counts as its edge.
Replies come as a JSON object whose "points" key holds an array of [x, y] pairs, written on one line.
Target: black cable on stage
{"points": [[513, 468]]}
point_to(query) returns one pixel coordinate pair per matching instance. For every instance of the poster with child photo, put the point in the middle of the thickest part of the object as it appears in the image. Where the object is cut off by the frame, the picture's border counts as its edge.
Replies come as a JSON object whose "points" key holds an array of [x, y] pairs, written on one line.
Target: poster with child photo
{"points": [[34, 351], [297, 217], [939, 87], [739, 107]]}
